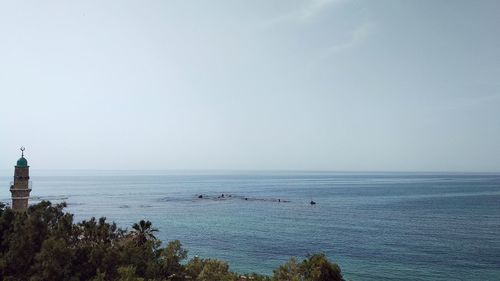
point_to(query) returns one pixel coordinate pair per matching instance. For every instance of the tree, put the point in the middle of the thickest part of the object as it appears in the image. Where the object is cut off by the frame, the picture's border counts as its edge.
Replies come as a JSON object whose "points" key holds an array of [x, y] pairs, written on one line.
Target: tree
{"points": [[318, 268], [315, 268], [194, 267], [127, 273], [215, 270], [54, 262], [143, 232], [289, 271], [44, 243], [171, 258]]}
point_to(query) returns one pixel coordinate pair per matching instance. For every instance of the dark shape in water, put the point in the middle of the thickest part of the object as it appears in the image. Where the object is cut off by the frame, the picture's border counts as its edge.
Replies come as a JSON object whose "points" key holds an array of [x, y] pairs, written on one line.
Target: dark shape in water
{"points": [[200, 196], [312, 203]]}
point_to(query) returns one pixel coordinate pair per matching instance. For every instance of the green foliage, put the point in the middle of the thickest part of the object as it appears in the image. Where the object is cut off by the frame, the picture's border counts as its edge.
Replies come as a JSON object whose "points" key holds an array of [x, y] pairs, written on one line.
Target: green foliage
{"points": [[194, 267], [289, 271], [318, 268], [54, 261], [44, 243], [256, 277], [215, 270], [100, 276], [170, 259], [143, 232], [315, 268], [127, 273]]}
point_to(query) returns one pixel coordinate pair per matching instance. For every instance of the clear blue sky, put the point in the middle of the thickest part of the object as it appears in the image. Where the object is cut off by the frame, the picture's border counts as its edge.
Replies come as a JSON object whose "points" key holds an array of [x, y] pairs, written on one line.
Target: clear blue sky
{"points": [[309, 85]]}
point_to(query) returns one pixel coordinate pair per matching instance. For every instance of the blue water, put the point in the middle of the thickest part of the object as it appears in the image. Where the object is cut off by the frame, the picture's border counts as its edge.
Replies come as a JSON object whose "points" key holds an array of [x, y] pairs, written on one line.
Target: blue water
{"points": [[377, 226]]}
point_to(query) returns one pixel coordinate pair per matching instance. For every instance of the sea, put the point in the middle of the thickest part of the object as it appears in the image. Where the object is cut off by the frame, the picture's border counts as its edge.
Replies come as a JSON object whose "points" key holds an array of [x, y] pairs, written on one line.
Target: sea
{"points": [[376, 226]]}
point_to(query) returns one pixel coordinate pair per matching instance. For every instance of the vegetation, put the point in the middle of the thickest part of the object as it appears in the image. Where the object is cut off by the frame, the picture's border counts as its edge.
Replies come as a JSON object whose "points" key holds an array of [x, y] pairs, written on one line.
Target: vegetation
{"points": [[44, 243]]}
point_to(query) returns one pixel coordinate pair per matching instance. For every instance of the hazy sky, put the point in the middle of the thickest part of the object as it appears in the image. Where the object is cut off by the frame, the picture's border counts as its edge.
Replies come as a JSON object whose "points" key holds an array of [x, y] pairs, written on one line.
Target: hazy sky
{"points": [[328, 85]]}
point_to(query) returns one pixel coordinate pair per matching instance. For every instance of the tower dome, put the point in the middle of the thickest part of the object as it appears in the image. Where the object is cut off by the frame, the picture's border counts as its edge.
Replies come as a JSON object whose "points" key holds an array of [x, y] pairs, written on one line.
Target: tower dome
{"points": [[22, 162]]}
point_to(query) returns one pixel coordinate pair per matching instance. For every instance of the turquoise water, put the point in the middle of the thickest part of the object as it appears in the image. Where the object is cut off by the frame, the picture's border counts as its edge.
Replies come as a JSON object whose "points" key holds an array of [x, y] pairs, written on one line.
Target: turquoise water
{"points": [[377, 226]]}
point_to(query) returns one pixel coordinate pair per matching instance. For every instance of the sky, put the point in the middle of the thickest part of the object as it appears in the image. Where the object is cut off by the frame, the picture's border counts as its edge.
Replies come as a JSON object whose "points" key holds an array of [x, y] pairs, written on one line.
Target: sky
{"points": [[337, 85]]}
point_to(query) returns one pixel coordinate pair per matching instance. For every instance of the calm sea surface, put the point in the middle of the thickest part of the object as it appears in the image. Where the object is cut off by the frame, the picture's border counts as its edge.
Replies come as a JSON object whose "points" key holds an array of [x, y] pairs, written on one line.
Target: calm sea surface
{"points": [[377, 226]]}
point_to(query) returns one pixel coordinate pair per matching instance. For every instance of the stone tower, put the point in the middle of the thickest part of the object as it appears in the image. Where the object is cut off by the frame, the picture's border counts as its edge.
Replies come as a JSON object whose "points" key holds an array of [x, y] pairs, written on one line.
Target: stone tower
{"points": [[20, 188]]}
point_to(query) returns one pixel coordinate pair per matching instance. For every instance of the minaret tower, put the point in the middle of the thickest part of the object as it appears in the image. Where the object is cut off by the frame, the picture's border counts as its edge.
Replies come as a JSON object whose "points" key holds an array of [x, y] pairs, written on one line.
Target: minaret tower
{"points": [[21, 186]]}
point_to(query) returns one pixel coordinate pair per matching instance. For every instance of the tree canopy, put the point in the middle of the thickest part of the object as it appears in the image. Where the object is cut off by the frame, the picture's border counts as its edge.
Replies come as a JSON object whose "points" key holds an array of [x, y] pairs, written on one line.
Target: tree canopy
{"points": [[44, 243]]}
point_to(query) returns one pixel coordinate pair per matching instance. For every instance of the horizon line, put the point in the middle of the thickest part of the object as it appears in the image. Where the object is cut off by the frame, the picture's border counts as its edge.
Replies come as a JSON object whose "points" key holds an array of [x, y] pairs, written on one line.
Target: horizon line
{"points": [[270, 170]]}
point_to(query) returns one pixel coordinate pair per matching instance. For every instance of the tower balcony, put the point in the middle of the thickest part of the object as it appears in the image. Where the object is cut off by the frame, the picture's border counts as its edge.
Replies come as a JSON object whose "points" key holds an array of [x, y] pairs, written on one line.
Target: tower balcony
{"points": [[30, 185]]}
